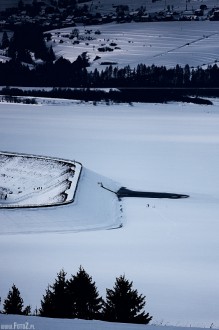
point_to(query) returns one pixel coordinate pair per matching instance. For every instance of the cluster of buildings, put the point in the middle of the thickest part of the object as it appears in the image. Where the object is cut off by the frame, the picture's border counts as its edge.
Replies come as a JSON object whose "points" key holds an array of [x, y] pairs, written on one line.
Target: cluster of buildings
{"points": [[49, 15]]}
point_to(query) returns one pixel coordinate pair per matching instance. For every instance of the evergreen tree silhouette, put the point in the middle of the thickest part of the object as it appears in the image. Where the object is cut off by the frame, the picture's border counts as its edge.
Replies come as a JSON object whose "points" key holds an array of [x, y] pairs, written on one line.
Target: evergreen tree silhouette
{"points": [[124, 304], [29, 38], [5, 40], [13, 304], [83, 296], [54, 303]]}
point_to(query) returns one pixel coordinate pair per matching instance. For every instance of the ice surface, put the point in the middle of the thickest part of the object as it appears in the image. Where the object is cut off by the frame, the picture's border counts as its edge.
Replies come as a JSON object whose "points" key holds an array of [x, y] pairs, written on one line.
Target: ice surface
{"points": [[169, 249]]}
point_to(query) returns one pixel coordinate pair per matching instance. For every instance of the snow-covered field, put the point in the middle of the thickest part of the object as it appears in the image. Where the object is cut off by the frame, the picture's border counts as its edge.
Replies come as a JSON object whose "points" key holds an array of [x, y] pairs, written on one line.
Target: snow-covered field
{"points": [[169, 249], [160, 43]]}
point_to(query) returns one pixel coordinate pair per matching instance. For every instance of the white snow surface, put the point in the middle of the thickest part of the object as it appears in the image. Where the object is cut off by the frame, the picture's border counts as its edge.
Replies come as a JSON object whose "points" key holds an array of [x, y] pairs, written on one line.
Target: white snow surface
{"points": [[43, 323], [169, 249]]}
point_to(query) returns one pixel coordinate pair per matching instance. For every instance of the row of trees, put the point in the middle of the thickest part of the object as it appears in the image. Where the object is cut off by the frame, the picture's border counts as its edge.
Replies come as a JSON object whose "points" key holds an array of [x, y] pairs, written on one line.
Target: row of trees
{"points": [[78, 297], [109, 96], [63, 73]]}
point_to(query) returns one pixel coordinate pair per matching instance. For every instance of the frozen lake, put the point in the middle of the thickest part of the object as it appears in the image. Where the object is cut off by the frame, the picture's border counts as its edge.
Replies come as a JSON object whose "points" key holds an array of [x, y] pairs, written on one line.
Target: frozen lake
{"points": [[169, 248]]}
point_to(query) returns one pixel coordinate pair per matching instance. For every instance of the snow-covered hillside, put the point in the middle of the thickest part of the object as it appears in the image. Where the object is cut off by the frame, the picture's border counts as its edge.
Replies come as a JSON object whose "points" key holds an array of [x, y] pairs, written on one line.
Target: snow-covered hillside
{"points": [[159, 43], [169, 248]]}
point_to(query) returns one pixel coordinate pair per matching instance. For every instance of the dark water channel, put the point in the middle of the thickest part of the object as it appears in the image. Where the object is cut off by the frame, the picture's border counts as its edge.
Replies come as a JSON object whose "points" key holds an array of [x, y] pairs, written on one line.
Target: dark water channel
{"points": [[124, 192]]}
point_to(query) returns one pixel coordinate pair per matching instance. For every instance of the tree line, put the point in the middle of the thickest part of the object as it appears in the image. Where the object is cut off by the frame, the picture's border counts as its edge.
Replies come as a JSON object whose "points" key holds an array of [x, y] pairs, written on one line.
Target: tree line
{"points": [[78, 297], [109, 96], [63, 73]]}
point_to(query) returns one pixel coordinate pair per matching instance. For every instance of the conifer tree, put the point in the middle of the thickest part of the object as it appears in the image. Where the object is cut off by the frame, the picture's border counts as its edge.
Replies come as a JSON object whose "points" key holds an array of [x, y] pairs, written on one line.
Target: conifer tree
{"points": [[124, 304], [13, 304], [54, 303], [29, 38], [5, 40], [83, 296]]}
